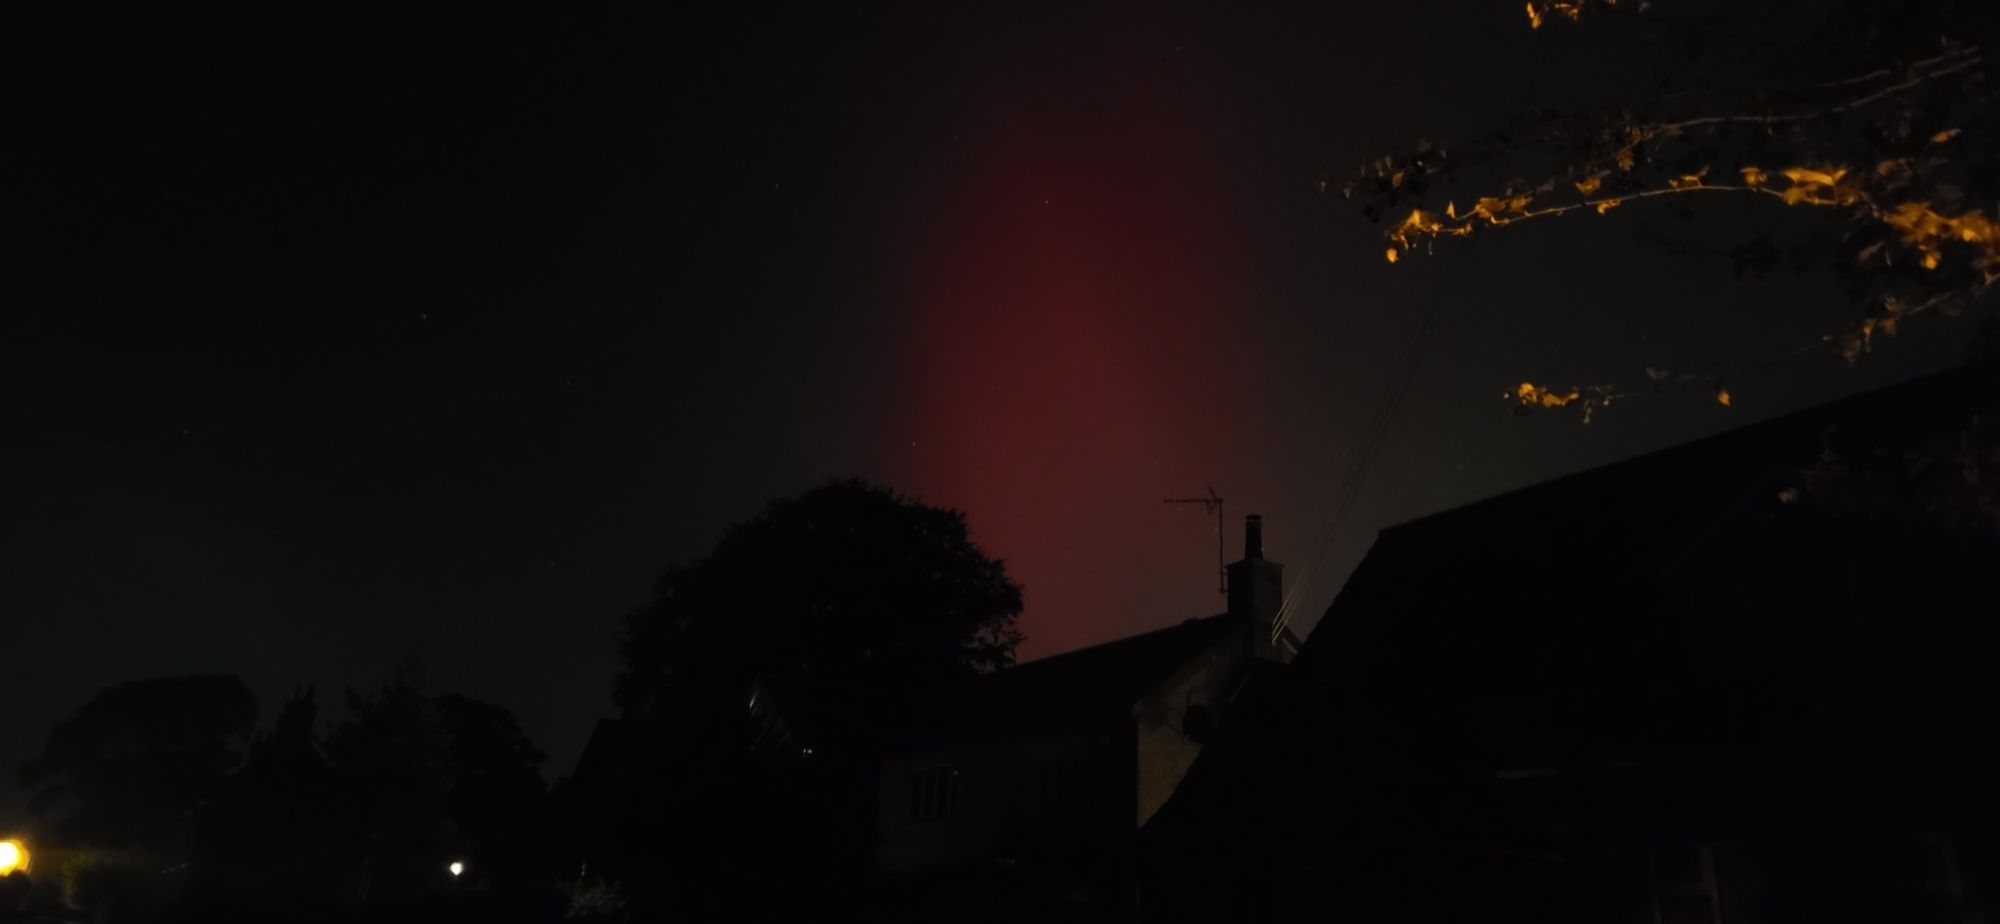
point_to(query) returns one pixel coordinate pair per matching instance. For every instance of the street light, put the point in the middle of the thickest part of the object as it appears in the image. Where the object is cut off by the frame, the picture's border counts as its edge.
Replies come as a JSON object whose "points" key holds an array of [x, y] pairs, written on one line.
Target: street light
{"points": [[13, 857]]}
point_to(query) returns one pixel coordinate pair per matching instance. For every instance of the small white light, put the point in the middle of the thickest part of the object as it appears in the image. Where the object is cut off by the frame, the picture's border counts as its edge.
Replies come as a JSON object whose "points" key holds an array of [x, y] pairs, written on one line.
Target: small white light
{"points": [[456, 868]]}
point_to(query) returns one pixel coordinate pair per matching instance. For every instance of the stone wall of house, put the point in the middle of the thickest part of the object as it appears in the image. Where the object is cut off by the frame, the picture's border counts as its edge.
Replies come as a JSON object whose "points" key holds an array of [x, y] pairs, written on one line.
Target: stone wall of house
{"points": [[977, 798], [1170, 724]]}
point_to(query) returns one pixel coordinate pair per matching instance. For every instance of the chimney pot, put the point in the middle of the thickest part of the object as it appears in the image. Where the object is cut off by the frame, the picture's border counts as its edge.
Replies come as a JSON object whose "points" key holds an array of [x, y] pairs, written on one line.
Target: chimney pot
{"points": [[1253, 537]]}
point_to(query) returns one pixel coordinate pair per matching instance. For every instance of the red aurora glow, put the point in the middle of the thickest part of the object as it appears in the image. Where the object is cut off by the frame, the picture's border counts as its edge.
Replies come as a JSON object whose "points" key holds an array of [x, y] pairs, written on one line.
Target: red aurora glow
{"points": [[1076, 352]]}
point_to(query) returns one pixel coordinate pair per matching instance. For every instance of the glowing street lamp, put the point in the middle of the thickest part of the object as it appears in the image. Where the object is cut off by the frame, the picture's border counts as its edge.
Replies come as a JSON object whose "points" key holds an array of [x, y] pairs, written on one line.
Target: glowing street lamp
{"points": [[13, 857]]}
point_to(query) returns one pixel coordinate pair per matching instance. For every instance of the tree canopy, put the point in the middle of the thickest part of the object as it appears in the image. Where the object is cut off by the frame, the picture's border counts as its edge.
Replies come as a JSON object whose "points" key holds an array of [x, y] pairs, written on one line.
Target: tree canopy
{"points": [[130, 768], [848, 586], [1879, 115], [370, 813], [436, 777], [754, 678]]}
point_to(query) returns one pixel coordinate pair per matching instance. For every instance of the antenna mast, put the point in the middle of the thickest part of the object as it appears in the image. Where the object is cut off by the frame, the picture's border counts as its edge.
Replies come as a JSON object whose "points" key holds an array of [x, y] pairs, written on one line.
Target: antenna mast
{"points": [[1214, 504]]}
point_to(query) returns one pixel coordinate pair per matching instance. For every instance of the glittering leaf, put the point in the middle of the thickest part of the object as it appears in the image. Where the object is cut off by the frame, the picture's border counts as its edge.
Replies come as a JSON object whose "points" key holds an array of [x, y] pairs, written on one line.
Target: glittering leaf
{"points": [[1687, 180], [1532, 395]]}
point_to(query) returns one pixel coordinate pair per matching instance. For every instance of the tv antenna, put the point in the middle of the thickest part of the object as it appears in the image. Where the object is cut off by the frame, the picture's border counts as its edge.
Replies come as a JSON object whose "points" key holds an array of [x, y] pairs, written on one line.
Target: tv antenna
{"points": [[1214, 504]]}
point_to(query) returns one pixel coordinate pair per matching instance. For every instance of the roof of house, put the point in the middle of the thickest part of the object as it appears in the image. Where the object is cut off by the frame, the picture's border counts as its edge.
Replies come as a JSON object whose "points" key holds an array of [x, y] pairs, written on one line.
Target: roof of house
{"points": [[1653, 500], [1103, 679], [1650, 511], [1530, 551]]}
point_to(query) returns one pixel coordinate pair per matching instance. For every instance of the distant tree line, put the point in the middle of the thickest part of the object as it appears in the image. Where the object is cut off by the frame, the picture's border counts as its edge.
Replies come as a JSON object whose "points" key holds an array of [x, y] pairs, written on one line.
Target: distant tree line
{"points": [[161, 800], [751, 690]]}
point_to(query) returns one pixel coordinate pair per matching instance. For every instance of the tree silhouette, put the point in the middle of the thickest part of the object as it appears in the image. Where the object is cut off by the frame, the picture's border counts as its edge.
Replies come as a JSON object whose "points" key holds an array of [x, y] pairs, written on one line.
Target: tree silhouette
{"points": [[432, 780], [367, 821], [281, 834], [847, 586], [755, 681], [129, 769], [495, 787], [1879, 115]]}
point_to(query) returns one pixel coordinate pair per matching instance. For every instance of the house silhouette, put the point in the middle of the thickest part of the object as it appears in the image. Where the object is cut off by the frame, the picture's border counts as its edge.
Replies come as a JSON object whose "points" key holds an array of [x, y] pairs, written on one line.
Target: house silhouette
{"points": [[1747, 679]]}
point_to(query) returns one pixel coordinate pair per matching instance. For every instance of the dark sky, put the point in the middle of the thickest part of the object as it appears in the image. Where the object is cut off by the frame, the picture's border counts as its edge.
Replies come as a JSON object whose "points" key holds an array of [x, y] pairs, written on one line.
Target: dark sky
{"points": [[436, 330]]}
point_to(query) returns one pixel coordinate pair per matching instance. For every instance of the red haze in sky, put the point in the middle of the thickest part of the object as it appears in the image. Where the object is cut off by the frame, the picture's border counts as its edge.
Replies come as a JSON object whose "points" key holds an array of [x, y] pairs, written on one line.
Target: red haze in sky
{"points": [[1074, 353]]}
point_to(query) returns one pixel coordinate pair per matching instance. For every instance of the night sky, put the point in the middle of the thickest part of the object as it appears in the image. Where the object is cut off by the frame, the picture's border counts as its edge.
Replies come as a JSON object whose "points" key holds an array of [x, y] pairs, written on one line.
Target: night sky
{"points": [[329, 343]]}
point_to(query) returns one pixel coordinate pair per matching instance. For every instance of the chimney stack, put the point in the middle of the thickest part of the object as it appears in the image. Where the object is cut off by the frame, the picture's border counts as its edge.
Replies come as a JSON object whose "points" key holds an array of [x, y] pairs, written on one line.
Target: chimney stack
{"points": [[1256, 591]]}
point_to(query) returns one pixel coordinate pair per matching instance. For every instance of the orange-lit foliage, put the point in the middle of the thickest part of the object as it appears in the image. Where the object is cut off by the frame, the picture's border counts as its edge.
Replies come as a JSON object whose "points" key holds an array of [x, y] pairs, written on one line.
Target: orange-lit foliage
{"points": [[1915, 242], [1534, 395], [1529, 396], [1540, 12]]}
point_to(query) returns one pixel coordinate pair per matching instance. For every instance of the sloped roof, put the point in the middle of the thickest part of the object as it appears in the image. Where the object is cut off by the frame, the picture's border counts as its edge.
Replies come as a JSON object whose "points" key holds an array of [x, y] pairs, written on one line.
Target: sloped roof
{"points": [[1538, 549], [1653, 502], [1100, 680]]}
